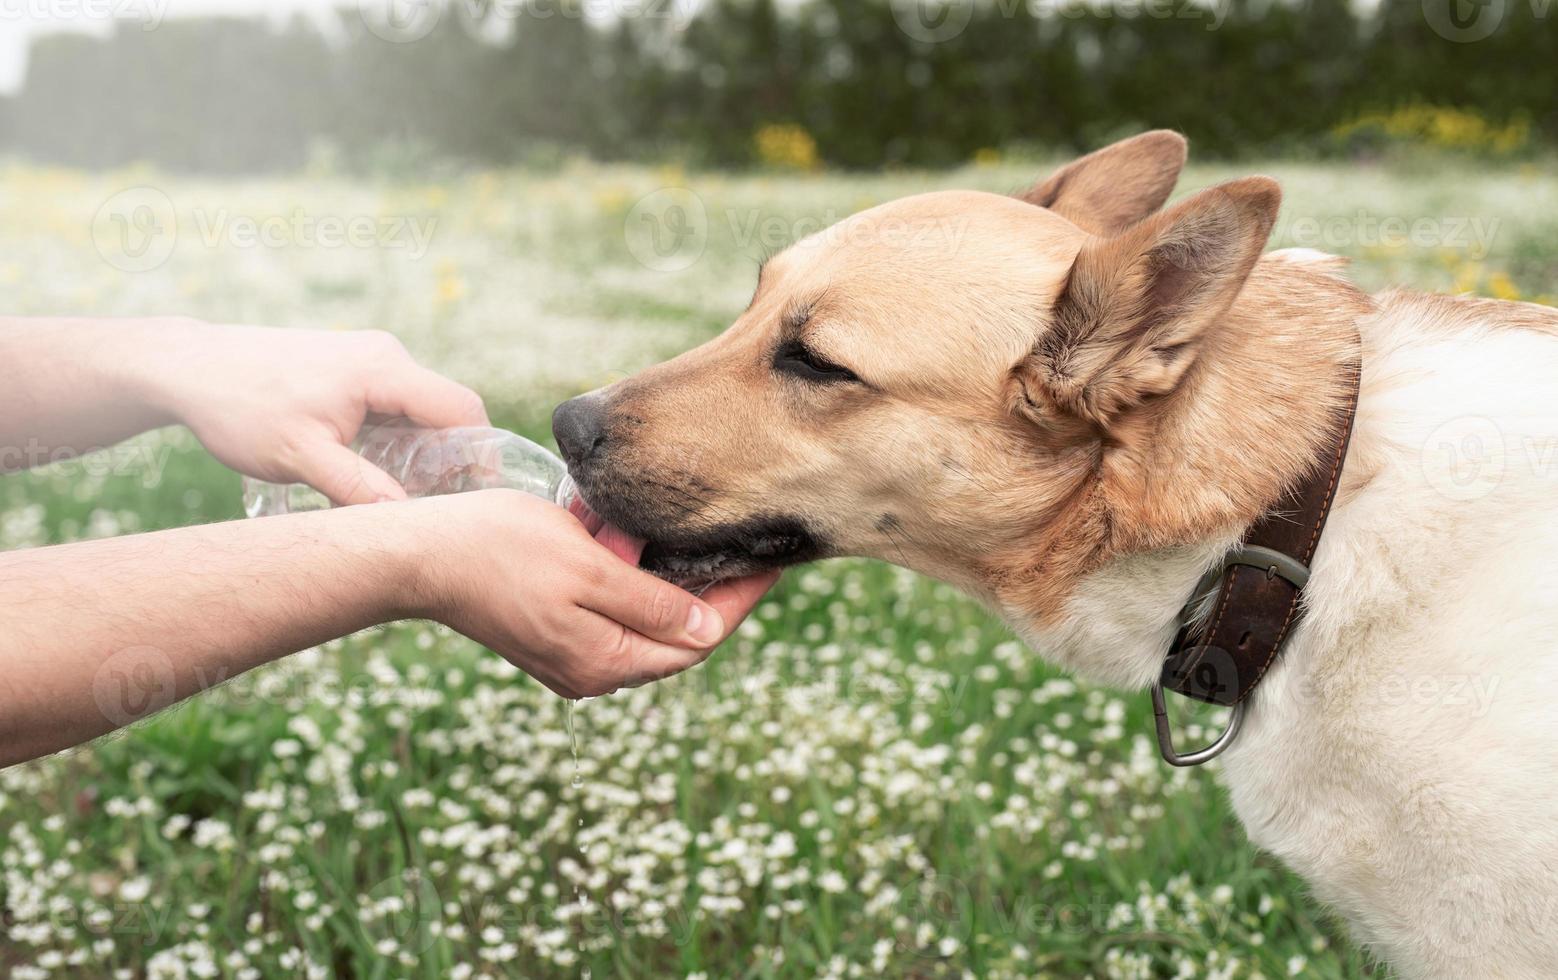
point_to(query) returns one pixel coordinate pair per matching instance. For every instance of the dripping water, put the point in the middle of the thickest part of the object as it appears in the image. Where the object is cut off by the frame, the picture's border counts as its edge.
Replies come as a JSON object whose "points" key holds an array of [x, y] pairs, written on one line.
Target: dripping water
{"points": [[579, 897]]}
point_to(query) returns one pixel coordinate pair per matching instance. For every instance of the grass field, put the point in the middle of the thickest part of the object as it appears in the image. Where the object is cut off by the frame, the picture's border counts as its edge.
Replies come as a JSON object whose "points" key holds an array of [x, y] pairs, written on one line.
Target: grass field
{"points": [[872, 779]]}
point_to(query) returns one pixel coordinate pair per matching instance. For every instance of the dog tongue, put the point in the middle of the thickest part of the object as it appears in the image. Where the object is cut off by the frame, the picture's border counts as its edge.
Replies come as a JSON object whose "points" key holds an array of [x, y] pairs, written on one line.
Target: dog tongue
{"points": [[620, 543], [609, 536]]}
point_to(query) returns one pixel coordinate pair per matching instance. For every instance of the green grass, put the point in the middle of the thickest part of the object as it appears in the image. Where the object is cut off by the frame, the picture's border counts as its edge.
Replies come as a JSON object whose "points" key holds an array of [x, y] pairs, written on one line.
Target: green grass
{"points": [[872, 778]]}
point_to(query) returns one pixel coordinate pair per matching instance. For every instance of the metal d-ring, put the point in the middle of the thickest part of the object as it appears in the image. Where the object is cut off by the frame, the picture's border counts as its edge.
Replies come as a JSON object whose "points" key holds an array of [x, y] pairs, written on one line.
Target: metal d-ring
{"points": [[1274, 564], [1172, 755]]}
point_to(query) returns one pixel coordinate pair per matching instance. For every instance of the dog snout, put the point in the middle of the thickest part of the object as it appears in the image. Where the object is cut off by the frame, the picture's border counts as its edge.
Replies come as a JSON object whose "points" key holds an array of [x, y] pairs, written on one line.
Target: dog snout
{"points": [[579, 426]]}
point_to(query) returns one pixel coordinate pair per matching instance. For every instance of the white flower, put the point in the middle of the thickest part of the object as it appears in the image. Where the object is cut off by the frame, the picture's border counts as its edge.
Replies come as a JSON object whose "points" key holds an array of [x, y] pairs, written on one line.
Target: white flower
{"points": [[214, 834], [135, 889]]}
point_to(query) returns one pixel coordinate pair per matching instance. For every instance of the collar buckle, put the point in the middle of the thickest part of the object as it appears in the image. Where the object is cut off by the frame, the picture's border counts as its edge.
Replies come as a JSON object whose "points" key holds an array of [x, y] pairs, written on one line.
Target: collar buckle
{"points": [[1276, 565], [1223, 663], [1173, 756]]}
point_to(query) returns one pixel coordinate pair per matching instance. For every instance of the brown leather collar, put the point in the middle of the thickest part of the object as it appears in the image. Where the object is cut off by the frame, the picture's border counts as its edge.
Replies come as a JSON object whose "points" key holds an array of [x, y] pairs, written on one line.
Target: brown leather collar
{"points": [[1220, 659]]}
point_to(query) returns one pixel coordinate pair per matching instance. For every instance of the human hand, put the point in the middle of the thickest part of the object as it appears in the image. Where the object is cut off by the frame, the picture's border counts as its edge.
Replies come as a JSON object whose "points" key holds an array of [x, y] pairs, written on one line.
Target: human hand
{"points": [[284, 405], [526, 579]]}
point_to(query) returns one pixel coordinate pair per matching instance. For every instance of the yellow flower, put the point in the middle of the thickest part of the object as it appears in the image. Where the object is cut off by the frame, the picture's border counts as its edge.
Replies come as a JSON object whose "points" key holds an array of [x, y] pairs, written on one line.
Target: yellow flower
{"points": [[1444, 127], [451, 286], [611, 198], [786, 146], [1467, 277], [987, 156], [1503, 287]]}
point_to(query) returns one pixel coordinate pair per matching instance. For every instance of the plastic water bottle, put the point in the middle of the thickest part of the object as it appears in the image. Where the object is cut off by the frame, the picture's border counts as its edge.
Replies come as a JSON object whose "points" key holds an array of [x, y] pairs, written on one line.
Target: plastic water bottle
{"points": [[431, 462]]}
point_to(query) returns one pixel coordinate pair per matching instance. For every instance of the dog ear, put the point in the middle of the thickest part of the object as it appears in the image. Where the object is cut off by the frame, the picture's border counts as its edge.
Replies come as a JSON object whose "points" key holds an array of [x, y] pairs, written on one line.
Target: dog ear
{"points": [[1130, 320], [1113, 188]]}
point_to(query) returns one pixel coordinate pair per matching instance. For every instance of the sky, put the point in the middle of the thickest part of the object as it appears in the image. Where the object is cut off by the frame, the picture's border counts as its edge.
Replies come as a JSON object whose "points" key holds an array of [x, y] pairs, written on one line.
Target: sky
{"points": [[22, 20]]}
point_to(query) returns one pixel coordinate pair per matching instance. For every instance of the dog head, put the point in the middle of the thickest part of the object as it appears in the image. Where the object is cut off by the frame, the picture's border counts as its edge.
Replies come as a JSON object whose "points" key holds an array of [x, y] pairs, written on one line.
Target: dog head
{"points": [[935, 382]]}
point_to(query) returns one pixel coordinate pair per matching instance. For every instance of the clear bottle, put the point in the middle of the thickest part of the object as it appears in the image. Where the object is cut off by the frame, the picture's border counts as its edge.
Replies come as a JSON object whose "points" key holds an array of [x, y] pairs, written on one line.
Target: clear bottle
{"points": [[431, 462]]}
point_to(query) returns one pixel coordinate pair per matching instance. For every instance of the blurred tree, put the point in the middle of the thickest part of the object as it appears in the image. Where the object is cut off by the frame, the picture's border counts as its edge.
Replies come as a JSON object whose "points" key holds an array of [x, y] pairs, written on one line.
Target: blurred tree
{"points": [[503, 83]]}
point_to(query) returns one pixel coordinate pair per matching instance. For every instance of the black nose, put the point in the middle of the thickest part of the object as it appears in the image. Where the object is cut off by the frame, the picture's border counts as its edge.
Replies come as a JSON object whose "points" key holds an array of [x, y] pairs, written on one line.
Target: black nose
{"points": [[579, 426]]}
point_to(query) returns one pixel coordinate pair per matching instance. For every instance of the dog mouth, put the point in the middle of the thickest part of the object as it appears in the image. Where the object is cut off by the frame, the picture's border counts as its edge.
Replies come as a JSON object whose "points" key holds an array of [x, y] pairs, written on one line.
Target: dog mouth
{"points": [[732, 551], [696, 558]]}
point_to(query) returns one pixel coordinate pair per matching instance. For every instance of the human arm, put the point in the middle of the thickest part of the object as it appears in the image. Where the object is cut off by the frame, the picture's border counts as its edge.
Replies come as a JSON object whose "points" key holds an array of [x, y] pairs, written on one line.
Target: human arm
{"points": [[281, 405], [101, 633]]}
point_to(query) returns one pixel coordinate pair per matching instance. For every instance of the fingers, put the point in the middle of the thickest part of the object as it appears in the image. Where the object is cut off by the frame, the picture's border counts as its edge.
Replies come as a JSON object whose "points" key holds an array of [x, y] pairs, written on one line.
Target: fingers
{"points": [[735, 598], [427, 398], [345, 477], [630, 659], [658, 610]]}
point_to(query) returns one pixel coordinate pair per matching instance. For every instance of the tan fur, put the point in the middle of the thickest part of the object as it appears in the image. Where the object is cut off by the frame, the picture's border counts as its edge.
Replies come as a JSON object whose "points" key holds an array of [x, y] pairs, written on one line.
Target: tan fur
{"points": [[1072, 410], [1014, 436], [1110, 189]]}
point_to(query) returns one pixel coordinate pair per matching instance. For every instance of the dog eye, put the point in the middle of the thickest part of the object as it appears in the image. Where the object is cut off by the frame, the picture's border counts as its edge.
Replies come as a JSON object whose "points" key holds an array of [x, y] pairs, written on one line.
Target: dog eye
{"points": [[795, 358]]}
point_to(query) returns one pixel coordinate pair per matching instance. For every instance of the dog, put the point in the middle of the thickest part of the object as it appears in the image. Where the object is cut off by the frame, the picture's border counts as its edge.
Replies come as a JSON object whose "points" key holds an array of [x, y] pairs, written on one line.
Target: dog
{"points": [[1072, 403]]}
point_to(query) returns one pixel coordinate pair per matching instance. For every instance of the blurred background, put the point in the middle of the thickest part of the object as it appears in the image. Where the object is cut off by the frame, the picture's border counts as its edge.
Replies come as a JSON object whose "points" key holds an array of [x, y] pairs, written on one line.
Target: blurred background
{"points": [[861, 84], [539, 197]]}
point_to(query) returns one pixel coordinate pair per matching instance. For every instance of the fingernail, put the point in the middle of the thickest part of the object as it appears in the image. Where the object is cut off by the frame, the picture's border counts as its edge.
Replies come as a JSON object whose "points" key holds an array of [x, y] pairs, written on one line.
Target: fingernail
{"points": [[704, 624]]}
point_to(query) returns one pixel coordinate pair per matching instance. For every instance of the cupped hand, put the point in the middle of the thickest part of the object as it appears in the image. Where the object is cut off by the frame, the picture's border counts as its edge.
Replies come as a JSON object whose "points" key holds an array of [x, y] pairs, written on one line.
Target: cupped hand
{"points": [[527, 580], [283, 405]]}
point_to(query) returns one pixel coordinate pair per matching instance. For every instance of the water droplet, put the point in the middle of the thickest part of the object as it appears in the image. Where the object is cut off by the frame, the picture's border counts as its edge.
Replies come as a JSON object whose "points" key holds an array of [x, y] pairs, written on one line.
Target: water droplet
{"points": [[580, 902]]}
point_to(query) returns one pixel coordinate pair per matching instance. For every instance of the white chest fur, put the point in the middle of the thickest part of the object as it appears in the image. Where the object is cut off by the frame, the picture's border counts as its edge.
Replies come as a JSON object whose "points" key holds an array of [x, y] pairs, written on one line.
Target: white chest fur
{"points": [[1403, 756]]}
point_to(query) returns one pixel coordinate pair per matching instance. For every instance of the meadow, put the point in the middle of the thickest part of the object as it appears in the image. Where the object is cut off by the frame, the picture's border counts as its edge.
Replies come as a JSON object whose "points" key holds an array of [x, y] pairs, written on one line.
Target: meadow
{"points": [[871, 779]]}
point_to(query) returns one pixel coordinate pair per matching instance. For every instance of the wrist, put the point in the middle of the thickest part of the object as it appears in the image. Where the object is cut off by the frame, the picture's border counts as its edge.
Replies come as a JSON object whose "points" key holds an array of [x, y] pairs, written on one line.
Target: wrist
{"points": [[376, 556], [401, 530], [156, 364]]}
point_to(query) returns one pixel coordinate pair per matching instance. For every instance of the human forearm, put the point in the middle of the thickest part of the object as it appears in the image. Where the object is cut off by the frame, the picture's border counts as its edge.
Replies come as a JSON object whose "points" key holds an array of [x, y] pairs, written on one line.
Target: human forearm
{"points": [[95, 634], [280, 405], [74, 385]]}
